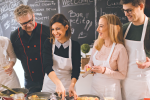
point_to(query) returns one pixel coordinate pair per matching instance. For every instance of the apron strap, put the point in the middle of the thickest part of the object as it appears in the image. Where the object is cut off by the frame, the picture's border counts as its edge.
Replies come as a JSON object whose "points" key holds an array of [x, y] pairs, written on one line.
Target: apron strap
{"points": [[53, 47], [112, 49], [144, 28], [127, 30], [70, 48], [95, 54]]}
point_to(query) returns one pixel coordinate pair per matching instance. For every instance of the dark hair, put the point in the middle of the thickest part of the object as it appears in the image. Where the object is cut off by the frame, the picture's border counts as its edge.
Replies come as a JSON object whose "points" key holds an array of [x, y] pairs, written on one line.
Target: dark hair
{"points": [[63, 20], [134, 2]]}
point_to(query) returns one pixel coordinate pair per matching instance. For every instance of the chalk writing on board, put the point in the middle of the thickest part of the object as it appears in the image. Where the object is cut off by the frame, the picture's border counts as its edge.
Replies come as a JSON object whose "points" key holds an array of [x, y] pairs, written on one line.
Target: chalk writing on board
{"points": [[44, 3], [80, 18], [1, 31], [4, 8], [13, 22], [43, 10], [25, 2], [113, 3], [9, 6], [83, 15], [115, 12], [42, 18], [7, 24], [82, 35], [4, 16], [109, 12], [76, 2]]}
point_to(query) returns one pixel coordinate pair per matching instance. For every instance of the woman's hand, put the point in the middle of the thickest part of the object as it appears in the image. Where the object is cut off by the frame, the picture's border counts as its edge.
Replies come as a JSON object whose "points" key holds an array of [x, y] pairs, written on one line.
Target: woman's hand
{"points": [[98, 69], [9, 68], [144, 65], [87, 67], [72, 92], [61, 90]]}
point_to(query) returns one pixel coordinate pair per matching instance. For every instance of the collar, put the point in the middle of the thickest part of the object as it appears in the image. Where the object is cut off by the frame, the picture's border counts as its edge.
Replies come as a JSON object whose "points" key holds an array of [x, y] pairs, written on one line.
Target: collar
{"points": [[58, 44], [35, 25]]}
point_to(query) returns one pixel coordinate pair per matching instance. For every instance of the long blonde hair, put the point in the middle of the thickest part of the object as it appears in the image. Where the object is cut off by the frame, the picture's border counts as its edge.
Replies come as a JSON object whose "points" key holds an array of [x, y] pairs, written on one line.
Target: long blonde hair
{"points": [[115, 30]]}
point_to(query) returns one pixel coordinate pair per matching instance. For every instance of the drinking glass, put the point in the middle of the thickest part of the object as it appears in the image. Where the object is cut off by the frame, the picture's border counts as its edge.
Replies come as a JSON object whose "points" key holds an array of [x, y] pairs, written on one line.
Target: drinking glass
{"points": [[109, 92], [140, 58]]}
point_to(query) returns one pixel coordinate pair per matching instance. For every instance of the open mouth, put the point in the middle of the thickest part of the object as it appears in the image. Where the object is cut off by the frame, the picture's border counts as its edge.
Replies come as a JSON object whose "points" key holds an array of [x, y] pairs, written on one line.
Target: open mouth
{"points": [[129, 17], [100, 34], [57, 36]]}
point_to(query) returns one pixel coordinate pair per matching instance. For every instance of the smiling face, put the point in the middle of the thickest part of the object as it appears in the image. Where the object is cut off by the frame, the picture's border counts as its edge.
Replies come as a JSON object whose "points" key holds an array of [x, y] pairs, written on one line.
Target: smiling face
{"points": [[131, 12], [103, 29], [27, 22], [59, 31]]}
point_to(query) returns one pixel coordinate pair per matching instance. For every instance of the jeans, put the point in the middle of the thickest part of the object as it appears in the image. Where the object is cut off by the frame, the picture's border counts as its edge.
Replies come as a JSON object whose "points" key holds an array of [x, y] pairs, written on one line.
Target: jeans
{"points": [[33, 86]]}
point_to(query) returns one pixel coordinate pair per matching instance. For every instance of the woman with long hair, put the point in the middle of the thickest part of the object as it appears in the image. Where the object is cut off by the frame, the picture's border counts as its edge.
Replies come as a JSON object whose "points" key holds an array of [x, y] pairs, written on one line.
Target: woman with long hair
{"points": [[109, 57]]}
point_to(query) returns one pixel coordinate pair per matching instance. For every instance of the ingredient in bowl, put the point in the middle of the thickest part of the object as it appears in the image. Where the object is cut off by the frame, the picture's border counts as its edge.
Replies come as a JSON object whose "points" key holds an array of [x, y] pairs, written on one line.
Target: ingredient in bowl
{"points": [[87, 98]]}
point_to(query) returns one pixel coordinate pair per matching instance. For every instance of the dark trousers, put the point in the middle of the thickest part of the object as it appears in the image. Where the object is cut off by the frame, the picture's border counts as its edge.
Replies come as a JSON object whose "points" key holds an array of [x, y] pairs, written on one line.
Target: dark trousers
{"points": [[33, 86]]}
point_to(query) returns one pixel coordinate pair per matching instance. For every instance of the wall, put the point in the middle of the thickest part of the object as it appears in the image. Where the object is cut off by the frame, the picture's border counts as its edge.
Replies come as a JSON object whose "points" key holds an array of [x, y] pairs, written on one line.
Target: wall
{"points": [[83, 15]]}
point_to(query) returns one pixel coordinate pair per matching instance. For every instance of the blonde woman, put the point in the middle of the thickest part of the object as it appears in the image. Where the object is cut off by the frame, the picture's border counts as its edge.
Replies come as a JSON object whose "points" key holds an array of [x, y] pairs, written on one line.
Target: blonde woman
{"points": [[8, 76], [109, 57]]}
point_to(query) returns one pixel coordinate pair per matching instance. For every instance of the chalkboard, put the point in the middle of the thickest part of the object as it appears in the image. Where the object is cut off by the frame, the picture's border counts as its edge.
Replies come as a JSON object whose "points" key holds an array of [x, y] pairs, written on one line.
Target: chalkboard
{"points": [[43, 10], [110, 7], [83, 15], [7, 22], [82, 21]]}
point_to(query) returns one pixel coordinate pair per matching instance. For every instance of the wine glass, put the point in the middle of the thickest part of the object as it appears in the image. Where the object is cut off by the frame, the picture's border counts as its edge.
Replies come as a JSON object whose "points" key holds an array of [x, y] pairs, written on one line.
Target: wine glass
{"points": [[109, 92], [140, 59]]}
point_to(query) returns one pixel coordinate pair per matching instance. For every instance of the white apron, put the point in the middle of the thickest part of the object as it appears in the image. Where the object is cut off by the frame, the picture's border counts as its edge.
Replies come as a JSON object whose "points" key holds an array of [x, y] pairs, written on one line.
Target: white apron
{"points": [[133, 87], [63, 69], [11, 81], [100, 81]]}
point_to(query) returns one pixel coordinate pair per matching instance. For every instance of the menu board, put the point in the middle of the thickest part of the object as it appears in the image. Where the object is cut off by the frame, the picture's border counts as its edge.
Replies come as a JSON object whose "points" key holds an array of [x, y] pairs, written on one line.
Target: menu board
{"points": [[7, 21], [82, 19], [83, 15], [43, 10], [110, 7]]}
